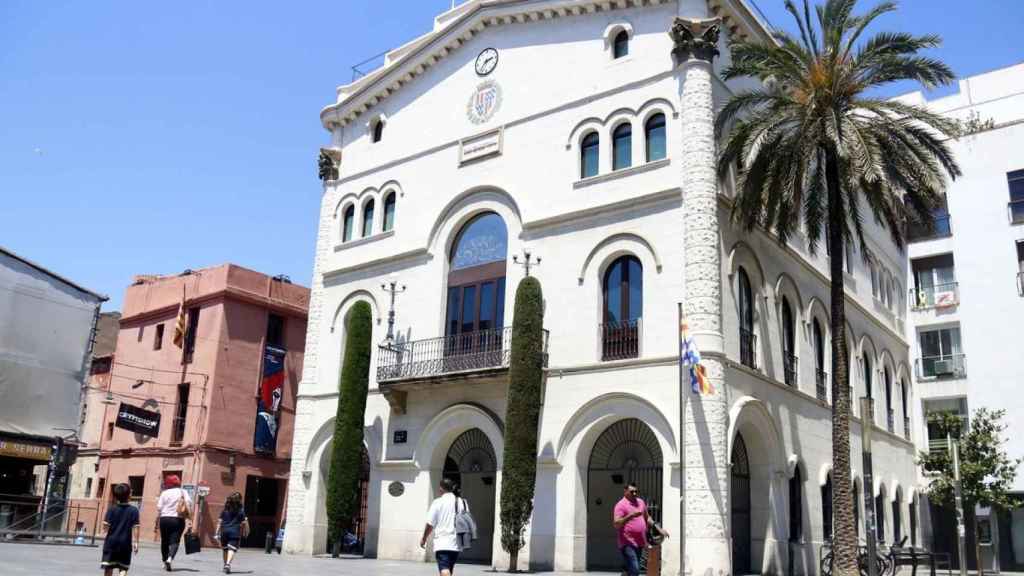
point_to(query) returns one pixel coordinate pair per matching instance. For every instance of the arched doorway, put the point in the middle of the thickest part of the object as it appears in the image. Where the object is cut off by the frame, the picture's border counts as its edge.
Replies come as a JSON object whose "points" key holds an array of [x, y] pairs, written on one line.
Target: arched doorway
{"points": [[741, 510], [472, 464], [626, 452], [361, 519]]}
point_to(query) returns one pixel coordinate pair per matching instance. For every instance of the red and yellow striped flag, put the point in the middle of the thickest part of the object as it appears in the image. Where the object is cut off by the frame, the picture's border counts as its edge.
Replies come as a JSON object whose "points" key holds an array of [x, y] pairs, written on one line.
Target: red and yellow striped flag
{"points": [[180, 326]]}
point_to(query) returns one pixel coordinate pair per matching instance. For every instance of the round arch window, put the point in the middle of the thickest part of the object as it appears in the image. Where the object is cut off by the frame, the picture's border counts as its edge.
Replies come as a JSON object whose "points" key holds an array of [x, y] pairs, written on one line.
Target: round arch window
{"points": [[476, 276]]}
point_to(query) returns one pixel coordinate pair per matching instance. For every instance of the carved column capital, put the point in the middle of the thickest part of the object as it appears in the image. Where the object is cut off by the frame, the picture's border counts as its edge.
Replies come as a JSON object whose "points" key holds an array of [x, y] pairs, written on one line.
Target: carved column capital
{"points": [[328, 164], [695, 38]]}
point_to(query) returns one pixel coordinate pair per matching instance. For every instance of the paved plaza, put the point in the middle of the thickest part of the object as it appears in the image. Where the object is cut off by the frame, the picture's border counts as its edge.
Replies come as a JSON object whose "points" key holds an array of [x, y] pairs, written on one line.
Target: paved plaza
{"points": [[53, 560]]}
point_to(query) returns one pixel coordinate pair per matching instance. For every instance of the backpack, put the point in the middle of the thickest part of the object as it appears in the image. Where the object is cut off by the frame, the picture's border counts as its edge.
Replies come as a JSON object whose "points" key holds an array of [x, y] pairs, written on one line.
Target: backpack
{"points": [[465, 526]]}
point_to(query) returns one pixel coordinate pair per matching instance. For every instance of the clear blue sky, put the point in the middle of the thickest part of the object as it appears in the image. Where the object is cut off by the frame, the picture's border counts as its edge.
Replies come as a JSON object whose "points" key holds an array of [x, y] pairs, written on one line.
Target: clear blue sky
{"points": [[145, 137]]}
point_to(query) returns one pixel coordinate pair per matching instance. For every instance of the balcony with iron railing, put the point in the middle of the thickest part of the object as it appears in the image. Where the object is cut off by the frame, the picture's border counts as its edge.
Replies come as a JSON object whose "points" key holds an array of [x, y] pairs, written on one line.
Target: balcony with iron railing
{"points": [[944, 366], [748, 346], [938, 296], [789, 368], [1015, 210], [821, 385], [458, 354], [942, 228], [620, 340]]}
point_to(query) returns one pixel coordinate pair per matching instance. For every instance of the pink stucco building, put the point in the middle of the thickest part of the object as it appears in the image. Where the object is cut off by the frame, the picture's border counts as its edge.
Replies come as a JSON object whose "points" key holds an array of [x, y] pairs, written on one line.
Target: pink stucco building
{"points": [[208, 392]]}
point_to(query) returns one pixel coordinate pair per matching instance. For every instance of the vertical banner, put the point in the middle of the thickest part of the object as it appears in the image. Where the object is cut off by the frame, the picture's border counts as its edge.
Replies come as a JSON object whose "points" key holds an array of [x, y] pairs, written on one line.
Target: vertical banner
{"points": [[268, 406]]}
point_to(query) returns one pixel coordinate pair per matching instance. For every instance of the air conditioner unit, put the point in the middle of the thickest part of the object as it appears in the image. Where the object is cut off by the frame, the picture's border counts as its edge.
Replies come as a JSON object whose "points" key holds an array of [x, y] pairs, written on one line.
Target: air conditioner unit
{"points": [[944, 367]]}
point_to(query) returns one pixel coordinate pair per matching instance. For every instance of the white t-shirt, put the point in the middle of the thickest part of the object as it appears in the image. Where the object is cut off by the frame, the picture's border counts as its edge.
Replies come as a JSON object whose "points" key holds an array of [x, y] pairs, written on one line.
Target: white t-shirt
{"points": [[442, 517], [167, 504]]}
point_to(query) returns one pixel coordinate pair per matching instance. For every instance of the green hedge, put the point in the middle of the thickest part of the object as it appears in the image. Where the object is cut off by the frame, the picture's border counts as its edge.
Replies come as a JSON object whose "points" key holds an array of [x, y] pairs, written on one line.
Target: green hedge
{"points": [[347, 447], [519, 469]]}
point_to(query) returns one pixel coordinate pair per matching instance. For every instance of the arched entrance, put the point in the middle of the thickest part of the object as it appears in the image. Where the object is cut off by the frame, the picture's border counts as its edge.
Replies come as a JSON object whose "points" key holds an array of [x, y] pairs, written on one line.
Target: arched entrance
{"points": [[741, 510], [626, 452], [472, 464], [361, 520]]}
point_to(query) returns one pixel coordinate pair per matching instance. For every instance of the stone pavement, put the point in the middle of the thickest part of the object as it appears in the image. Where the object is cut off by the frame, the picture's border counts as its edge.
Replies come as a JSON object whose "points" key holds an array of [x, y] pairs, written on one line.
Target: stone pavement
{"points": [[55, 560]]}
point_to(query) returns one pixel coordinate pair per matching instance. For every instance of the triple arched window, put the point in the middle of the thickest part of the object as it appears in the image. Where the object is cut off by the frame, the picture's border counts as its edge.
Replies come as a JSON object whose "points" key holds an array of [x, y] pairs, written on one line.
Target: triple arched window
{"points": [[653, 130], [366, 227]]}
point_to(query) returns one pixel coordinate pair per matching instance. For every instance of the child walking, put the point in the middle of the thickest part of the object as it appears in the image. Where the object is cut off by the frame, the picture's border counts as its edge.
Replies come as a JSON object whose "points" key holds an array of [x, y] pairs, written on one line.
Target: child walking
{"points": [[122, 527], [232, 526]]}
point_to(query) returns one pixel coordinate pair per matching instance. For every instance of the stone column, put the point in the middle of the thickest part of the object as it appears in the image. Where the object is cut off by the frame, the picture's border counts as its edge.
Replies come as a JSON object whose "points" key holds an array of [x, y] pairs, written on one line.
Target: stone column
{"points": [[704, 426]]}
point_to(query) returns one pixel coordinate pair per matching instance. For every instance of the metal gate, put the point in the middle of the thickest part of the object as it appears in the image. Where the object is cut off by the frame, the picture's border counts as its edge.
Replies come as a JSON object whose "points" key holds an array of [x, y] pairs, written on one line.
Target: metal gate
{"points": [[740, 496], [472, 464], [626, 453]]}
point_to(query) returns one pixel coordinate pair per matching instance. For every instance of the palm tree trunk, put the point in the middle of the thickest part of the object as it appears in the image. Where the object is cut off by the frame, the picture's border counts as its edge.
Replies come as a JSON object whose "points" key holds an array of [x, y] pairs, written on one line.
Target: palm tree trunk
{"points": [[844, 540]]}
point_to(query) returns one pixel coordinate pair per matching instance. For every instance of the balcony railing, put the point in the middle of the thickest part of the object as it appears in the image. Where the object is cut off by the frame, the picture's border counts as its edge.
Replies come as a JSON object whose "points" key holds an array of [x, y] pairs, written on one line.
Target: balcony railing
{"points": [[466, 352], [1015, 210], [748, 344], [941, 229], [890, 420], [938, 296], [620, 340], [945, 366], [906, 427], [938, 445], [789, 368], [821, 385]]}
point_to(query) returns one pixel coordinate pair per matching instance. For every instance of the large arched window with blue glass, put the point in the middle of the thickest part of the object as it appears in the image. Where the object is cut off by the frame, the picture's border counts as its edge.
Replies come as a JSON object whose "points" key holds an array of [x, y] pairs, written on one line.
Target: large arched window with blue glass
{"points": [[623, 295], [589, 155], [476, 285]]}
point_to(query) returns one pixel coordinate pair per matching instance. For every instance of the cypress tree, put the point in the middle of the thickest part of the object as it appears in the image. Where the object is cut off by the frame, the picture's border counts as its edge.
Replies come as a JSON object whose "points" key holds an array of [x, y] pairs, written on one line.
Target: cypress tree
{"points": [[347, 446], [519, 468]]}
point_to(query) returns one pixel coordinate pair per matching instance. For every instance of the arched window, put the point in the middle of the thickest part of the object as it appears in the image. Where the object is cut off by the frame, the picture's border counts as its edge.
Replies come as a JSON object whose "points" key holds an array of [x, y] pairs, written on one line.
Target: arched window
{"points": [[788, 343], [654, 132], [623, 295], [820, 377], [826, 507], [476, 283], [620, 46], [868, 385], [378, 130], [622, 146], [746, 302], [368, 218], [889, 414], [796, 500], [348, 222], [897, 521], [389, 211], [903, 412], [880, 516], [913, 521], [589, 155]]}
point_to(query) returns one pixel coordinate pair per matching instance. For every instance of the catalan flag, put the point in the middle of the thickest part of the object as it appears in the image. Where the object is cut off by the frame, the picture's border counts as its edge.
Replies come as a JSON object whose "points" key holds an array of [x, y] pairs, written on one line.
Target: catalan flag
{"points": [[689, 359], [180, 326]]}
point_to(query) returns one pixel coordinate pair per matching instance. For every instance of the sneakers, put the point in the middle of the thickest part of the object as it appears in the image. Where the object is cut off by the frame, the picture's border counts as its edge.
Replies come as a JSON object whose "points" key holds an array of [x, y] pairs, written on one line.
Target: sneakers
{"points": [[167, 565], [227, 568]]}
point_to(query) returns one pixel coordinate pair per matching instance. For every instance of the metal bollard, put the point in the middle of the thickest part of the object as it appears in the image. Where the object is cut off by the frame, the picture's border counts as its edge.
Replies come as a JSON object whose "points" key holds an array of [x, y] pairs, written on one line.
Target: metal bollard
{"points": [[269, 545]]}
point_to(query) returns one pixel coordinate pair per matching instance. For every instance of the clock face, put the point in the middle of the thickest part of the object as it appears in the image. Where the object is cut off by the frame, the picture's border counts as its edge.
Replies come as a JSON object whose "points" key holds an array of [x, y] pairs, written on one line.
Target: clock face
{"points": [[486, 61]]}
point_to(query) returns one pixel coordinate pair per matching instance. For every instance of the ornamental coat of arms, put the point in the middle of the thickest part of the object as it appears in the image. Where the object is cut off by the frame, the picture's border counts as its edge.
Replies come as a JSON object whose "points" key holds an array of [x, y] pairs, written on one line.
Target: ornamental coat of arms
{"points": [[484, 102]]}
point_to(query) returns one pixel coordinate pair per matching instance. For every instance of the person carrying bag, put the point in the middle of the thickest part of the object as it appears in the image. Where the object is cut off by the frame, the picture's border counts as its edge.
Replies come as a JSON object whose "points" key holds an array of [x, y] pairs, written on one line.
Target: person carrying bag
{"points": [[465, 525], [175, 510]]}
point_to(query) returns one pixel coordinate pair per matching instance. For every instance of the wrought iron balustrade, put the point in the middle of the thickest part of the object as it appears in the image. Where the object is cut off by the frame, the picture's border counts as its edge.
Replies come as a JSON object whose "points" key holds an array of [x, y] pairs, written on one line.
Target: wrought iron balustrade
{"points": [[465, 352], [748, 344], [620, 340], [821, 385], [944, 366], [789, 368], [938, 296]]}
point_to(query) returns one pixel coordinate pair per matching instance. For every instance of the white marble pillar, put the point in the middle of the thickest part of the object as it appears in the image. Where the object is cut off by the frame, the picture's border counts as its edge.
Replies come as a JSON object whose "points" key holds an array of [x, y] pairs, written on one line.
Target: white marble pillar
{"points": [[705, 506]]}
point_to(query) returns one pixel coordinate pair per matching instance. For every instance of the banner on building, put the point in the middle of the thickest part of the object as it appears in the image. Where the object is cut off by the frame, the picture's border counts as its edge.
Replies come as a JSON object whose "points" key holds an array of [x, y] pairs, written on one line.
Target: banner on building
{"points": [[138, 420], [268, 406]]}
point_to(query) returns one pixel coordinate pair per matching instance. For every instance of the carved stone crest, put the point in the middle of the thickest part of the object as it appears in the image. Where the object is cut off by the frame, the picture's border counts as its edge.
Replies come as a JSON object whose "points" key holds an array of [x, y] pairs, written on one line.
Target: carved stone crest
{"points": [[696, 37], [328, 164]]}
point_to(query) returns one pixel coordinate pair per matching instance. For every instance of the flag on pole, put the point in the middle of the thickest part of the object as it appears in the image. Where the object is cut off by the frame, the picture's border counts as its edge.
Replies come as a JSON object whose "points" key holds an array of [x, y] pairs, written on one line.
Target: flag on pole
{"points": [[689, 358], [180, 324]]}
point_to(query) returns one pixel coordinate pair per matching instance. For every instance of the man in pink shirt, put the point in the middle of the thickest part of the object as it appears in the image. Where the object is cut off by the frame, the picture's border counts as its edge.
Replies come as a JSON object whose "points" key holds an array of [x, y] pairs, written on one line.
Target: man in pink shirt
{"points": [[630, 518]]}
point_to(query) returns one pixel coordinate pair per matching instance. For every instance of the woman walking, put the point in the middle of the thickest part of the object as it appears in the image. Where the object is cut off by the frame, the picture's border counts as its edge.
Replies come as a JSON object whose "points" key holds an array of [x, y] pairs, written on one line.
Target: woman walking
{"points": [[175, 508], [450, 535], [232, 526], [122, 527]]}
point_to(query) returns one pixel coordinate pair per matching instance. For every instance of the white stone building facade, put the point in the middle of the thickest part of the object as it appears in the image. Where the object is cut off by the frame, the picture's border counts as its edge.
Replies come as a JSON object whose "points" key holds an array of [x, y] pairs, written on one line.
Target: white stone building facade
{"points": [[966, 283], [581, 132]]}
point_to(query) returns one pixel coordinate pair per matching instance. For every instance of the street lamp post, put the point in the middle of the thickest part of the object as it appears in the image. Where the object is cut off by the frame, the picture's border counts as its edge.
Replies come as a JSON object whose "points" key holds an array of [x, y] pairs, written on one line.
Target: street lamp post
{"points": [[961, 532], [866, 427], [392, 288]]}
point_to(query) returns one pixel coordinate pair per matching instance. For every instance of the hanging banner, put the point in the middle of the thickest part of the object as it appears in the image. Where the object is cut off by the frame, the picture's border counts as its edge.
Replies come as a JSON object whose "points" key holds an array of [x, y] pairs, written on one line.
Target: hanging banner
{"points": [[138, 420], [268, 406]]}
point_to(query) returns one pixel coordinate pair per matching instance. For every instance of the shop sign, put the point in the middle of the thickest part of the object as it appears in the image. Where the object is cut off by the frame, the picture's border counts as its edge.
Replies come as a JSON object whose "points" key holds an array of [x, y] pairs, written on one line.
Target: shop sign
{"points": [[27, 450]]}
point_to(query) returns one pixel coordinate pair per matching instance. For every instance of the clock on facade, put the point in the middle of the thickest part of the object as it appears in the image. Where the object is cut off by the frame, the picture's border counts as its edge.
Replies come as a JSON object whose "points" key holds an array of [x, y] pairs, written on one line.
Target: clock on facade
{"points": [[486, 61]]}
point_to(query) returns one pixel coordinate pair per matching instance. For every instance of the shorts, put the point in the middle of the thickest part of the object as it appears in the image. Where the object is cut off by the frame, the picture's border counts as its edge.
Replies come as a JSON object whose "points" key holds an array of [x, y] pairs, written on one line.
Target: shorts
{"points": [[117, 557], [230, 542], [630, 560], [446, 560]]}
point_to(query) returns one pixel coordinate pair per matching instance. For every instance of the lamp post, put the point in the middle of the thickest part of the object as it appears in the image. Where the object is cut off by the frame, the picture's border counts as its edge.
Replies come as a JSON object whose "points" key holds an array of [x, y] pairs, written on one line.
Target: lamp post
{"points": [[528, 261], [961, 532], [392, 288], [867, 428]]}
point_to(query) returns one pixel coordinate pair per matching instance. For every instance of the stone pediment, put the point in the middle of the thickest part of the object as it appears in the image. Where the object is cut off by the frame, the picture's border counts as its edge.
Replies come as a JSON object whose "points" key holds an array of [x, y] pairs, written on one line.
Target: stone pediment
{"points": [[458, 26]]}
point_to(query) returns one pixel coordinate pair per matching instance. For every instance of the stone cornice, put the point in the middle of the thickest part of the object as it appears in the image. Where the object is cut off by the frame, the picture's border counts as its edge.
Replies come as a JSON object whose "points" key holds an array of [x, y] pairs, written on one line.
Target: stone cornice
{"points": [[407, 62]]}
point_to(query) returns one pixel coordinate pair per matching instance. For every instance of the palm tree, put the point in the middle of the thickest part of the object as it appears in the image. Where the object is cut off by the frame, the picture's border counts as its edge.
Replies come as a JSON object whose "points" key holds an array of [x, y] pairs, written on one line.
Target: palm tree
{"points": [[812, 144]]}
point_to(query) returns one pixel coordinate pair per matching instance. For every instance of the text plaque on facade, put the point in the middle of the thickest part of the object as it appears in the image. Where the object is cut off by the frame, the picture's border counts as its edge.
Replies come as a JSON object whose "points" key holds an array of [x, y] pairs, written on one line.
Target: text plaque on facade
{"points": [[481, 146], [401, 436]]}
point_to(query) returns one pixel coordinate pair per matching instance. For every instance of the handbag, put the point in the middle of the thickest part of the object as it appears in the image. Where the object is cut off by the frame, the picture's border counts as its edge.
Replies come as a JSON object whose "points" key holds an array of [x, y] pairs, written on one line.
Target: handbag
{"points": [[182, 509], [465, 526], [654, 537], [192, 544]]}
